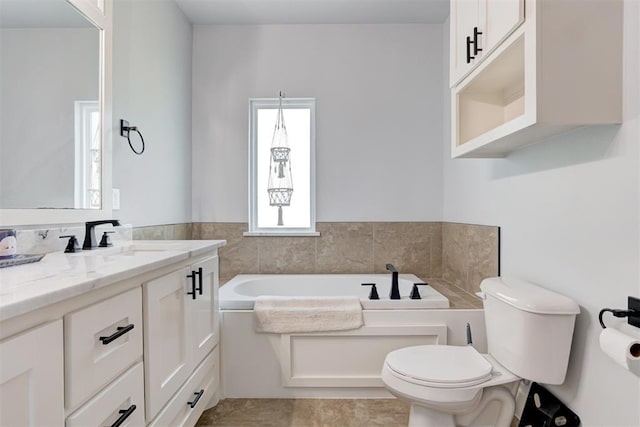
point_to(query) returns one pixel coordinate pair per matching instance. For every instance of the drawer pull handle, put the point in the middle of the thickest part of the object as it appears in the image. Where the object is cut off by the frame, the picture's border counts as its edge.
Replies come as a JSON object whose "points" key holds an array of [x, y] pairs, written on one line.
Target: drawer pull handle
{"points": [[194, 402], [192, 276], [120, 332], [125, 414]]}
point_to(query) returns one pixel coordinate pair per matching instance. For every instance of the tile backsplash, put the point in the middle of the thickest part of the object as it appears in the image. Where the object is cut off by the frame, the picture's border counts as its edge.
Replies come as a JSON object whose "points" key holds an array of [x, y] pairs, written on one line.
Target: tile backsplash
{"points": [[462, 254], [47, 239]]}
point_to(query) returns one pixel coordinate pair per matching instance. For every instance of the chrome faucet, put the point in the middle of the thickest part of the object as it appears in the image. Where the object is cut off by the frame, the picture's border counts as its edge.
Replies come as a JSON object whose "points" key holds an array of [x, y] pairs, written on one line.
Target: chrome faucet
{"points": [[395, 293], [90, 241]]}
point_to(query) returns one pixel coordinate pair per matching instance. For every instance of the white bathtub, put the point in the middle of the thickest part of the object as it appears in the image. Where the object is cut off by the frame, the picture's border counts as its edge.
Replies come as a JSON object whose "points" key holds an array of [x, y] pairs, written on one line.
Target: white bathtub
{"points": [[333, 364], [242, 290]]}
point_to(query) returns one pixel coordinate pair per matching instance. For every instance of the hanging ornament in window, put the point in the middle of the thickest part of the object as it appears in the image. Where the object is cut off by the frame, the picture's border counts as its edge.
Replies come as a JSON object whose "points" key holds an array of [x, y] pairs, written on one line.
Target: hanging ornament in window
{"points": [[280, 186]]}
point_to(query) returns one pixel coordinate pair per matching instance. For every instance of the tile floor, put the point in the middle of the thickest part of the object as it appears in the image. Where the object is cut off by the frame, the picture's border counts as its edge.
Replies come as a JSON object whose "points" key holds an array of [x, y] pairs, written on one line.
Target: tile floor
{"points": [[306, 413]]}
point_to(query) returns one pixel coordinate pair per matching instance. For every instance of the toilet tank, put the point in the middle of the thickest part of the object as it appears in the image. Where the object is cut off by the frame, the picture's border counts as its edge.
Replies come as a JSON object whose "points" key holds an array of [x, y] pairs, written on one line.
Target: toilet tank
{"points": [[529, 328]]}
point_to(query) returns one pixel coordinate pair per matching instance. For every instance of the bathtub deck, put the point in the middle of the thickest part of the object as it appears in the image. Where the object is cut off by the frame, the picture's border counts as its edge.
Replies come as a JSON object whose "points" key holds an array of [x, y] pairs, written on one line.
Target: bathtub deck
{"points": [[458, 297]]}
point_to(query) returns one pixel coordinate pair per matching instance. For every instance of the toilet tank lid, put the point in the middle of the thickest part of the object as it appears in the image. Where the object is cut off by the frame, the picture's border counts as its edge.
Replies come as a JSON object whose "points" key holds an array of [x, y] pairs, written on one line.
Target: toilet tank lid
{"points": [[528, 297]]}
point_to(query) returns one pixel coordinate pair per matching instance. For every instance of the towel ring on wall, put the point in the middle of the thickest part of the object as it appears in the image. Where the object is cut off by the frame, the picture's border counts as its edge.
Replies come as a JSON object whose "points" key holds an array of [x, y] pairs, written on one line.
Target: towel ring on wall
{"points": [[125, 131]]}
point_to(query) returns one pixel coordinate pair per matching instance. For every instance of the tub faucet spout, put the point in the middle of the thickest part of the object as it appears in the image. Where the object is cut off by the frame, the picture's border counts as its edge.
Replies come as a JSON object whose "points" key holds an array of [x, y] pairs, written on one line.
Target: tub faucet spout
{"points": [[395, 292]]}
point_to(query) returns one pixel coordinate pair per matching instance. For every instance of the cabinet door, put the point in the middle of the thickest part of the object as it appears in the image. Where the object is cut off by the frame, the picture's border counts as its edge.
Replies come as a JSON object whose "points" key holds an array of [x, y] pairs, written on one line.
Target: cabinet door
{"points": [[167, 362], [31, 378], [463, 20], [203, 326], [502, 18]]}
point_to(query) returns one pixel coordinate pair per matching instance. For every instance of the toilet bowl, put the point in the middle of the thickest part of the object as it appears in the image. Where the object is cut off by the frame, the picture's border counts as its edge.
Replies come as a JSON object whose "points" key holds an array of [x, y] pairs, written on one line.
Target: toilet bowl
{"points": [[529, 331], [449, 385]]}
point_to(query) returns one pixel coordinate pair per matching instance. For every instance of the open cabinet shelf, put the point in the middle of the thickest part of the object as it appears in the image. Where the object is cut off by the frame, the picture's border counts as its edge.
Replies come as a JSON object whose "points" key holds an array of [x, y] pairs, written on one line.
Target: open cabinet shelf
{"points": [[540, 82], [495, 97]]}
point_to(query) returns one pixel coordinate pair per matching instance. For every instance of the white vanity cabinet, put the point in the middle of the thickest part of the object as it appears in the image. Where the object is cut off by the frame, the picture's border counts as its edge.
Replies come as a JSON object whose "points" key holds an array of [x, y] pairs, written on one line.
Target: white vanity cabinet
{"points": [[31, 378], [181, 329], [476, 28], [117, 333], [554, 67]]}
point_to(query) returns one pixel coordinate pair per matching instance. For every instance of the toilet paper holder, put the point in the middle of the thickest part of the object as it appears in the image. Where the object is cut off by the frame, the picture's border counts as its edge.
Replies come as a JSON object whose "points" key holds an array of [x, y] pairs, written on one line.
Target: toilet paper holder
{"points": [[632, 313]]}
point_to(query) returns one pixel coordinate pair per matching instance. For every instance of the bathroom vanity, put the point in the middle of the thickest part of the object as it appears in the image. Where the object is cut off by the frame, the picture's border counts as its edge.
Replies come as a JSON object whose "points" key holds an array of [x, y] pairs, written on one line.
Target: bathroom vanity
{"points": [[103, 336]]}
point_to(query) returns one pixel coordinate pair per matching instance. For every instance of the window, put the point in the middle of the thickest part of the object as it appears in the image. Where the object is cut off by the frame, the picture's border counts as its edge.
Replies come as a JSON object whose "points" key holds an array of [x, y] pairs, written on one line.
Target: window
{"points": [[87, 176], [282, 167]]}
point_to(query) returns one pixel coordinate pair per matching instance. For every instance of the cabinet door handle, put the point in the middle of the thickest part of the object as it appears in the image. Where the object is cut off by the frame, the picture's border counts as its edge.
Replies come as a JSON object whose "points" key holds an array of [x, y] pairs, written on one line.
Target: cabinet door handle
{"points": [[125, 414], [469, 57], [120, 331], [194, 402], [476, 41], [192, 276], [199, 273]]}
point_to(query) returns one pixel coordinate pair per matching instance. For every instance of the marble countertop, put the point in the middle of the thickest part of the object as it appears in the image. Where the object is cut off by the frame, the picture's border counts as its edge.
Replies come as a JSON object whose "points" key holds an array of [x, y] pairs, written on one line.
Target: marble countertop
{"points": [[61, 276]]}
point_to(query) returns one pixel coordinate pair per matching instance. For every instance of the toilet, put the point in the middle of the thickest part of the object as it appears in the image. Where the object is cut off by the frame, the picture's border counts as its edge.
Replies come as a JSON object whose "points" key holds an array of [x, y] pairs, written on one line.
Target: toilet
{"points": [[529, 331]]}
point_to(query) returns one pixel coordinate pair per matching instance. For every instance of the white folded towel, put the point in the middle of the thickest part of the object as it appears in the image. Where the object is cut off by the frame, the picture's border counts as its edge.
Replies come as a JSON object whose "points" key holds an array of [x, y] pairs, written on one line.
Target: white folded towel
{"points": [[282, 315]]}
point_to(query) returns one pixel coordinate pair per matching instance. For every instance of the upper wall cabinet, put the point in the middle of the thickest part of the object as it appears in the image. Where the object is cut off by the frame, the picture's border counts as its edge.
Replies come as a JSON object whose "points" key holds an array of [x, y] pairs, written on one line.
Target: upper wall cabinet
{"points": [[546, 66], [477, 27]]}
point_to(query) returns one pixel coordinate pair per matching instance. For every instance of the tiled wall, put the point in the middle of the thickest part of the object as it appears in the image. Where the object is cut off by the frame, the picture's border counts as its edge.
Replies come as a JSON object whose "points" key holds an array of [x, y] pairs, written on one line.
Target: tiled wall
{"points": [[462, 254], [164, 232], [362, 247], [470, 253]]}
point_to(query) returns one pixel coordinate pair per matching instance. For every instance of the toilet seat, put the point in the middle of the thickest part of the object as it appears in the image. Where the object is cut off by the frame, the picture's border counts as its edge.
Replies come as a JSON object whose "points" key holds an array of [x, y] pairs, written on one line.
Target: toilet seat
{"points": [[440, 366]]}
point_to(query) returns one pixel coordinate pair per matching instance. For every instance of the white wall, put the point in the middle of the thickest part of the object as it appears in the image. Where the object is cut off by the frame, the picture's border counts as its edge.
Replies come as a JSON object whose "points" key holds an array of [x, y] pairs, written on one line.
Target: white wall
{"points": [[569, 213], [379, 115], [152, 89], [44, 71]]}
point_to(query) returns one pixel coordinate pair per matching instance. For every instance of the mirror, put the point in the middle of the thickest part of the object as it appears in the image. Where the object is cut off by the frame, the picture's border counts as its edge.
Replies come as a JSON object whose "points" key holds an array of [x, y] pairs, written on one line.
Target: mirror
{"points": [[50, 117]]}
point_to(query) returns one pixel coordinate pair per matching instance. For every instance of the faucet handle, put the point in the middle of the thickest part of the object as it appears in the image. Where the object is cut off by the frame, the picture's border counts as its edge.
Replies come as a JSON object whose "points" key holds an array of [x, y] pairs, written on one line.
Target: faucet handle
{"points": [[105, 241], [415, 294], [72, 245], [374, 292]]}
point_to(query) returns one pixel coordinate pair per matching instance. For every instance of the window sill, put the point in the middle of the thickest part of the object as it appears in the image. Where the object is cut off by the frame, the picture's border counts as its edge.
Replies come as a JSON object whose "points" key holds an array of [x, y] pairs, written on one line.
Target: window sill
{"points": [[281, 234]]}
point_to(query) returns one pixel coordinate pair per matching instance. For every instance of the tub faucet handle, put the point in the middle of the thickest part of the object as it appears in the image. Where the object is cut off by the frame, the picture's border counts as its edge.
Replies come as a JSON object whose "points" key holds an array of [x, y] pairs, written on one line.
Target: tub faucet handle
{"points": [[415, 294], [374, 292]]}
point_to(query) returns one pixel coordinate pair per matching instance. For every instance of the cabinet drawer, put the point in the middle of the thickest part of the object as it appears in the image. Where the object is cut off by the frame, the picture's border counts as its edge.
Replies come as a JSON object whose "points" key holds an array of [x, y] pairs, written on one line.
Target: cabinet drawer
{"points": [[203, 383], [123, 400], [101, 342]]}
